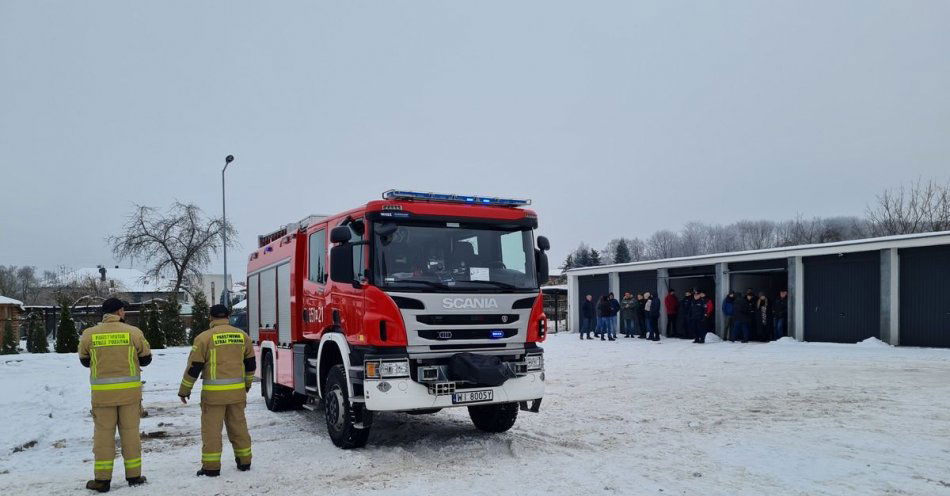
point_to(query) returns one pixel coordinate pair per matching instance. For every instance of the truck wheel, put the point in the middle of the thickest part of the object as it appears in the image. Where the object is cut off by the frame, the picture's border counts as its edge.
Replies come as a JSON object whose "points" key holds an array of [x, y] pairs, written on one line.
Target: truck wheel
{"points": [[494, 418], [277, 397], [343, 416]]}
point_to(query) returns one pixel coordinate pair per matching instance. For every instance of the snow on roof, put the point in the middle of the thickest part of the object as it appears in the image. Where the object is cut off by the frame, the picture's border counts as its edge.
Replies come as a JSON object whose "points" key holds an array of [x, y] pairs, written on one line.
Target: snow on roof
{"points": [[554, 287], [126, 280], [10, 301], [240, 305]]}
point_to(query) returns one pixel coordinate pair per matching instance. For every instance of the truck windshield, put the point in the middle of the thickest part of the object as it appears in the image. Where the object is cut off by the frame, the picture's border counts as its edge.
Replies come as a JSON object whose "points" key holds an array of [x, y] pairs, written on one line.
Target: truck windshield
{"points": [[427, 256]]}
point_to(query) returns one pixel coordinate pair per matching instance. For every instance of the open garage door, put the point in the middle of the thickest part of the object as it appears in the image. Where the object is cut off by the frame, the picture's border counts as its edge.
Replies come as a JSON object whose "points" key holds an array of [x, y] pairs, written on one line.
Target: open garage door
{"points": [[924, 306], [766, 277], [843, 297], [682, 279]]}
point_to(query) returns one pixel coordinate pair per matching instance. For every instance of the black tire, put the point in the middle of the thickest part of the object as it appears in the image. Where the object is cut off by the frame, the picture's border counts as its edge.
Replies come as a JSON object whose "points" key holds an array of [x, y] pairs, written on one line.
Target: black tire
{"points": [[498, 417], [276, 396], [342, 416]]}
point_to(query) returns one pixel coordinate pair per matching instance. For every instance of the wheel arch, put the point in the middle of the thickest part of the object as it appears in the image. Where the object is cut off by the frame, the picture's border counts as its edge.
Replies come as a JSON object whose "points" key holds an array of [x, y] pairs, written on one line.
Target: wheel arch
{"points": [[333, 350]]}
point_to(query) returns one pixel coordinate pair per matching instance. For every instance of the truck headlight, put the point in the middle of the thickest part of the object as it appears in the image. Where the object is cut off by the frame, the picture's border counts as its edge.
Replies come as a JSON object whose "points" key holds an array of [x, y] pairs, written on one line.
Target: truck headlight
{"points": [[394, 369], [534, 362]]}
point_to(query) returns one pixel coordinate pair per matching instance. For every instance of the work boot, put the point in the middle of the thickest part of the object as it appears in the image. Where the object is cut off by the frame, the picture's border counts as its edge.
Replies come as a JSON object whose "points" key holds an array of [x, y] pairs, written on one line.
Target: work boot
{"points": [[242, 466], [102, 486], [136, 481], [208, 473]]}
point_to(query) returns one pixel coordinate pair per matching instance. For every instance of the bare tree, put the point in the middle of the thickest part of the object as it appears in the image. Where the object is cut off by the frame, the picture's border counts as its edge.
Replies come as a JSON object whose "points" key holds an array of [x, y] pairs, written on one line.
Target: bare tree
{"points": [[920, 207], [756, 234], [638, 249], [178, 242], [663, 244], [19, 282], [65, 288]]}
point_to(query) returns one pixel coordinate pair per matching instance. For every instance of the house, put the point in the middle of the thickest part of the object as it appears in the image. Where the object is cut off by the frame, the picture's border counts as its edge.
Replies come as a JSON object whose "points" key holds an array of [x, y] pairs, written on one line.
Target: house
{"points": [[10, 310]]}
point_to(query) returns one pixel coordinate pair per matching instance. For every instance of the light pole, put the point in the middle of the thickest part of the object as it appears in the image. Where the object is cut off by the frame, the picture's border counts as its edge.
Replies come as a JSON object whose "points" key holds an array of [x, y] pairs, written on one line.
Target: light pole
{"points": [[224, 232]]}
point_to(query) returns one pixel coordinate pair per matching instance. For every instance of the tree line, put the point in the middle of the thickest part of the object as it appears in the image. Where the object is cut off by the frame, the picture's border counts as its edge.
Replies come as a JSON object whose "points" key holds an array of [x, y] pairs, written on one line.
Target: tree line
{"points": [[178, 242], [919, 207]]}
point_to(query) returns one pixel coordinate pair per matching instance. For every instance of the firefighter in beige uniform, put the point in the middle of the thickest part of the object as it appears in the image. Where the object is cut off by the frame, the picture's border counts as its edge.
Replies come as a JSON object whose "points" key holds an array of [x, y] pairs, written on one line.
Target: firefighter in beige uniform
{"points": [[224, 357], [114, 352]]}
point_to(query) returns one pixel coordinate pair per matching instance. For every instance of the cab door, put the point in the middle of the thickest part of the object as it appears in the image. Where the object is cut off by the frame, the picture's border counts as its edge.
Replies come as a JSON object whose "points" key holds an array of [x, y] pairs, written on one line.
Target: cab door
{"points": [[314, 318]]}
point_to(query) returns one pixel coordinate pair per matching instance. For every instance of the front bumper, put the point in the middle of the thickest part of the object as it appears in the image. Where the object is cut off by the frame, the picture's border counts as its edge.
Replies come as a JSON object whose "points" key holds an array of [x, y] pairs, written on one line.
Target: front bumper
{"points": [[406, 394]]}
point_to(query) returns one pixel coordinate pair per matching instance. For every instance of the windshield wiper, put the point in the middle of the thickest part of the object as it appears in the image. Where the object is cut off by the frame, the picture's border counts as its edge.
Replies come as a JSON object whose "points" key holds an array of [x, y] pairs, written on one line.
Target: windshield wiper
{"points": [[499, 284], [431, 284]]}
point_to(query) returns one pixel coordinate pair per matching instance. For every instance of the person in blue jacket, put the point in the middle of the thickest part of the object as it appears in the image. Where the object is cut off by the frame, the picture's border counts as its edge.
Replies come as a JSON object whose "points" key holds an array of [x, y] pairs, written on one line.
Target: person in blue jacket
{"points": [[728, 310]]}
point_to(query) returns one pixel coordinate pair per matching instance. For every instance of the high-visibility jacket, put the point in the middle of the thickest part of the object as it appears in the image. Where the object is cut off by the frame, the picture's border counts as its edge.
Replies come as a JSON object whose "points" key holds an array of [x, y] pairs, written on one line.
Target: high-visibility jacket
{"points": [[114, 352], [224, 358]]}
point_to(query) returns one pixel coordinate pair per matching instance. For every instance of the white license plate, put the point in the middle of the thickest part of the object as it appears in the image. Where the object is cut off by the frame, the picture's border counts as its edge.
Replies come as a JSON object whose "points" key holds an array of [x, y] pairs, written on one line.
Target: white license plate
{"points": [[472, 396]]}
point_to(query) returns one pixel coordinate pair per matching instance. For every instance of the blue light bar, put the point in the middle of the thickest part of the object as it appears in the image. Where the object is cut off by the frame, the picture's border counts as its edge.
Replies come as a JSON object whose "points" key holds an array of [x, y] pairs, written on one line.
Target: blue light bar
{"points": [[452, 198], [497, 334]]}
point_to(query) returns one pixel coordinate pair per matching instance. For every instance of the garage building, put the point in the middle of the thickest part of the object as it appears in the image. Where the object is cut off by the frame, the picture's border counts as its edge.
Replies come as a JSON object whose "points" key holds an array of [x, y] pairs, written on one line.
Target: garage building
{"points": [[890, 288]]}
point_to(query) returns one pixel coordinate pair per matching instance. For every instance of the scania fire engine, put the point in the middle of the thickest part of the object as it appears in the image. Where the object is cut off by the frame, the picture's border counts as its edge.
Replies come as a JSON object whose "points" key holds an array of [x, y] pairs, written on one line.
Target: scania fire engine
{"points": [[413, 303]]}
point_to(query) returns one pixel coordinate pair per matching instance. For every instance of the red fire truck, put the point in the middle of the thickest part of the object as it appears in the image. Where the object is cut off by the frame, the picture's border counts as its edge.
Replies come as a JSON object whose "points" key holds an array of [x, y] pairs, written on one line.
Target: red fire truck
{"points": [[413, 303]]}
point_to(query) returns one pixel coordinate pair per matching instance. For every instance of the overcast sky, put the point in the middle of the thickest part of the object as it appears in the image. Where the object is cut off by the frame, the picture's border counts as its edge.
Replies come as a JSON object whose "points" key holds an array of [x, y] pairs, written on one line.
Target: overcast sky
{"points": [[616, 118]]}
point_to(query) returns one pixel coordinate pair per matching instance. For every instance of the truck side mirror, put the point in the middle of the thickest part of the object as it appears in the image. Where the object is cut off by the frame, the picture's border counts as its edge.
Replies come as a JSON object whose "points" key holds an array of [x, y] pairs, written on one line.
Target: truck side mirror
{"points": [[542, 263], [543, 243], [341, 262], [340, 234]]}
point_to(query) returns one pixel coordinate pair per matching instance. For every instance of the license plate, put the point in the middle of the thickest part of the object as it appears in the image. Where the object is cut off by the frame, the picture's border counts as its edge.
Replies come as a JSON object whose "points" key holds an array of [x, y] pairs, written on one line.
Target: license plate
{"points": [[472, 396]]}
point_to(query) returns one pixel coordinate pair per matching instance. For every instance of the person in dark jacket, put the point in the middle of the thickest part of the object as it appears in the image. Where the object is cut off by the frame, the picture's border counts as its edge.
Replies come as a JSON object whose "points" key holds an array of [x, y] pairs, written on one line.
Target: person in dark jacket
{"points": [[744, 314], [682, 324], [728, 310], [697, 318], [614, 310], [627, 315], [588, 317], [641, 316], [671, 305], [652, 309], [780, 314], [603, 311]]}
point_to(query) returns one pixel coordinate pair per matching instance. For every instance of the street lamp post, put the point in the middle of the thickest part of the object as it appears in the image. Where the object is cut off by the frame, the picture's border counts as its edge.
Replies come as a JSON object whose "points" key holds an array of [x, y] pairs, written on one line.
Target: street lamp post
{"points": [[224, 232]]}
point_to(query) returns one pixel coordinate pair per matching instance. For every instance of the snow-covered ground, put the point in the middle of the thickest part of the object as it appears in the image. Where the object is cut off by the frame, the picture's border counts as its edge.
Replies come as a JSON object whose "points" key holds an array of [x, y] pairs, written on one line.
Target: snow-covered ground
{"points": [[628, 417]]}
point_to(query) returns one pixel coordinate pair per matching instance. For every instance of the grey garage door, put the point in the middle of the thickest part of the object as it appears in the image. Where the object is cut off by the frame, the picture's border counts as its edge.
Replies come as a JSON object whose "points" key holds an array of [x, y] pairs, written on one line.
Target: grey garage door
{"points": [[843, 297], [924, 306], [637, 282]]}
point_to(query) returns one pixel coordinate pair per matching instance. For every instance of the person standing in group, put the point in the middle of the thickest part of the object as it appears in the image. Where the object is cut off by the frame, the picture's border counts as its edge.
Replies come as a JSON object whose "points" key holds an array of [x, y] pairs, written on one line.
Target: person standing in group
{"points": [[627, 314], [697, 314], [710, 314], [224, 358], [762, 318], [653, 316], [612, 316], [728, 309], [603, 310], [641, 316], [672, 308], [685, 302], [744, 314], [588, 318], [115, 352], [780, 314]]}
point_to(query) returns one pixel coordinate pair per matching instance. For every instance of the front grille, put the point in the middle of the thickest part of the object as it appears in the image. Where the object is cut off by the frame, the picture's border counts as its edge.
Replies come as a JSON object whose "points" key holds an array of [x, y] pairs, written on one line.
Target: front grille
{"points": [[474, 319], [453, 334]]}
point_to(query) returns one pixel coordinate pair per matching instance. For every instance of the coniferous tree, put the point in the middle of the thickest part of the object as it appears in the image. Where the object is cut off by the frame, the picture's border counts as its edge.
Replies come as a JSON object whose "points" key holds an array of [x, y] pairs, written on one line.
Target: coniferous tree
{"points": [[38, 331], [595, 257], [200, 316], [622, 252], [568, 262], [67, 341], [26, 330], [152, 328], [172, 326], [11, 342]]}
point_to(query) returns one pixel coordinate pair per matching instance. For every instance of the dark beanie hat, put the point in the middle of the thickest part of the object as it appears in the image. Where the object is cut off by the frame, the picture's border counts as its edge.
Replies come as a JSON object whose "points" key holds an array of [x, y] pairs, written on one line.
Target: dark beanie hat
{"points": [[112, 305], [219, 311]]}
